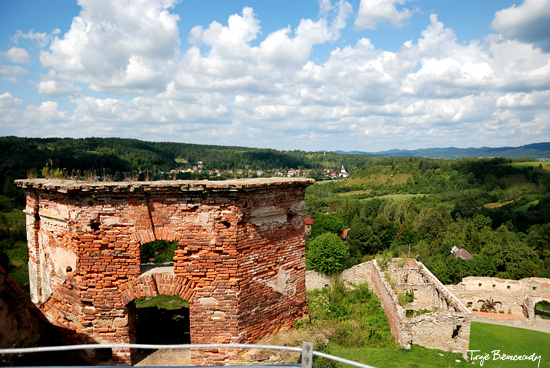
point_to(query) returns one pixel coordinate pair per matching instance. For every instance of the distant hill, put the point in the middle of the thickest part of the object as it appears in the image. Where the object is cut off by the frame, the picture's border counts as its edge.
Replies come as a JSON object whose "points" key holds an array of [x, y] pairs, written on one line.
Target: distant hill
{"points": [[535, 151]]}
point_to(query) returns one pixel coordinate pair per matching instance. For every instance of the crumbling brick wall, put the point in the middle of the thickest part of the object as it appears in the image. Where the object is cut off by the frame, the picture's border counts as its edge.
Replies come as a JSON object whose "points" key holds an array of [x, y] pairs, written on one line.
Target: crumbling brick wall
{"points": [[240, 260]]}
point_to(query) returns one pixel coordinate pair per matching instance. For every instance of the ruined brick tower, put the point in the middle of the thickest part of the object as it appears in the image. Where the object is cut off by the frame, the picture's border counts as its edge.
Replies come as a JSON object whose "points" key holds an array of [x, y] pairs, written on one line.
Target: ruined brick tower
{"points": [[240, 261]]}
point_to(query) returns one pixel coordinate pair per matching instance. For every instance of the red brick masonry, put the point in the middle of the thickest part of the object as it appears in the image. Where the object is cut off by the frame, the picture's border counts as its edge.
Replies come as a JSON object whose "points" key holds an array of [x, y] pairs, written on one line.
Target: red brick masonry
{"points": [[240, 261]]}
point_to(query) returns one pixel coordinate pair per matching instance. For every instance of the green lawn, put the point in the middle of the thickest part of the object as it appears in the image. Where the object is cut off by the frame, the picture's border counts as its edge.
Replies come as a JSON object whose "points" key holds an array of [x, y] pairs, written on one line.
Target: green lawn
{"points": [[511, 341], [483, 337], [417, 357]]}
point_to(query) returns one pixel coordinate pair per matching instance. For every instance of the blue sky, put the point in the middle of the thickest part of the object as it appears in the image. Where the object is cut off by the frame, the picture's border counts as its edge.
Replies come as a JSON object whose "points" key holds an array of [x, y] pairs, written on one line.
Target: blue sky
{"points": [[366, 75]]}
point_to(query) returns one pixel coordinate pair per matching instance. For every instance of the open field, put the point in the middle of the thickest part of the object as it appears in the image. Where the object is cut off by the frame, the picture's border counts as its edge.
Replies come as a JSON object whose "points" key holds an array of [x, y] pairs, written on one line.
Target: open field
{"points": [[526, 207], [545, 165]]}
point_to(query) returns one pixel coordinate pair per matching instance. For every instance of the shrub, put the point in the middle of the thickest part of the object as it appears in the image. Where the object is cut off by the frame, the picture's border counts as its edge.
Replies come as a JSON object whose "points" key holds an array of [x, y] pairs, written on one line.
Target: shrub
{"points": [[356, 316], [327, 253]]}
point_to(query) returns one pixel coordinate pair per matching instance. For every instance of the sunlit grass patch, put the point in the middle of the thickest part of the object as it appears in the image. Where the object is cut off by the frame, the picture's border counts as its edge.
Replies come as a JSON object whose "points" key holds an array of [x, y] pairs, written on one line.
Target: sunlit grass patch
{"points": [[526, 206], [511, 341]]}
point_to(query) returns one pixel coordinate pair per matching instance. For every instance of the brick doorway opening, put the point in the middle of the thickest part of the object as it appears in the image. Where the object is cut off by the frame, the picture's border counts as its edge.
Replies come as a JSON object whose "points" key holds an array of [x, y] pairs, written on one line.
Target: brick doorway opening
{"points": [[161, 320]]}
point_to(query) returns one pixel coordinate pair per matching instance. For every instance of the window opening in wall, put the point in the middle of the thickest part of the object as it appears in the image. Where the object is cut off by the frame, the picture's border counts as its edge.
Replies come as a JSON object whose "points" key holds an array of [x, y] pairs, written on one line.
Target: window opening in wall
{"points": [[158, 251], [508, 287], [162, 319], [456, 331], [542, 309]]}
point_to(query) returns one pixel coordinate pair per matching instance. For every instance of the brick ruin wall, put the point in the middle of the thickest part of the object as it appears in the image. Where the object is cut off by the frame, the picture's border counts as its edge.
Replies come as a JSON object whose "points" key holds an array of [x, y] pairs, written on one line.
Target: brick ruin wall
{"points": [[517, 298], [443, 322], [240, 261]]}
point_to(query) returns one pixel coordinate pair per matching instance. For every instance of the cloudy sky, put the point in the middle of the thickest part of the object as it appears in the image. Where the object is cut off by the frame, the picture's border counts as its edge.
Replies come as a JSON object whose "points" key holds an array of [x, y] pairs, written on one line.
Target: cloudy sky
{"points": [[366, 75]]}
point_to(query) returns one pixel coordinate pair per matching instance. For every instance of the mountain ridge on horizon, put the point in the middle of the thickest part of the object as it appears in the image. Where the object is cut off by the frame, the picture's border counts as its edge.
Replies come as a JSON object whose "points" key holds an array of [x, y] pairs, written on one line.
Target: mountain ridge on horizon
{"points": [[535, 151]]}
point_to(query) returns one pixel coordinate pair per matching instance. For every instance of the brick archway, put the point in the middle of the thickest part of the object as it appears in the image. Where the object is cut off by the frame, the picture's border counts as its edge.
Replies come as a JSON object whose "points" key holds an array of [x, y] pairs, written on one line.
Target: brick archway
{"points": [[240, 260], [157, 283]]}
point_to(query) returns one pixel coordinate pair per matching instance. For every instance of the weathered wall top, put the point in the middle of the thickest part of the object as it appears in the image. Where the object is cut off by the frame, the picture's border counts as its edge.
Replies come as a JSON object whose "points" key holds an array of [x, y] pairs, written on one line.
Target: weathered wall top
{"points": [[65, 186]]}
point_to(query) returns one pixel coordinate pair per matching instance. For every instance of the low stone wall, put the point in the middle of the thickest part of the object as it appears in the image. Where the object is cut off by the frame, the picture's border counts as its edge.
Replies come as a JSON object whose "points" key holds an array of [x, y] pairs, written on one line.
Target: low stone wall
{"points": [[441, 321], [512, 297], [394, 312]]}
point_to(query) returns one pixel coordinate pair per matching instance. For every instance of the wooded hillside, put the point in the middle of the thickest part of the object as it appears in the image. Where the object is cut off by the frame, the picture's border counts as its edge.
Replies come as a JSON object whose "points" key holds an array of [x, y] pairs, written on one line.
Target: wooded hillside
{"points": [[497, 209]]}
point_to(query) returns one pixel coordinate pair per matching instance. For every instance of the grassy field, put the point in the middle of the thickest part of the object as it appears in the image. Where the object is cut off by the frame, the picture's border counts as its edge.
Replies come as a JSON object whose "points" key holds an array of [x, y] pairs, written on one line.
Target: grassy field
{"points": [[483, 337], [511, 341], [545, 165], [417, 357], [526, 207]]}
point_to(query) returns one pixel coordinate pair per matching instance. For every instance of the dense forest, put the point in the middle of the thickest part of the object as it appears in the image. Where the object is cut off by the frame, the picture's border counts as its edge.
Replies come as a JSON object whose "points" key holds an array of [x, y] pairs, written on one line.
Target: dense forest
{"points": [[118, 157], [498, 209]]}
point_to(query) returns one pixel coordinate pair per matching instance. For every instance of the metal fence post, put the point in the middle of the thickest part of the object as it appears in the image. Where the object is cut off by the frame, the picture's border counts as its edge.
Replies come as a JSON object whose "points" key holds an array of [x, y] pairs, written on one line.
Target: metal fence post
{"points": [[307, 354]]}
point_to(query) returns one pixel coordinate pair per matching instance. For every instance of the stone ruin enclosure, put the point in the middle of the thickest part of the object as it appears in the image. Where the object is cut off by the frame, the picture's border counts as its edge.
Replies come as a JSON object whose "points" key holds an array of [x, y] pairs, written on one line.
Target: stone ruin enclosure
{"points": [[431, 316], [514, 298], [240, 261]]}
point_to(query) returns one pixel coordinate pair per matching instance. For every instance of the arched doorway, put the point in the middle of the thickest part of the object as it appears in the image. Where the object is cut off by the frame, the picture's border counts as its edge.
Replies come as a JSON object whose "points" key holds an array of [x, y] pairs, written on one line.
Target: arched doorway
{"points": [[162, 319], [542, 310]]}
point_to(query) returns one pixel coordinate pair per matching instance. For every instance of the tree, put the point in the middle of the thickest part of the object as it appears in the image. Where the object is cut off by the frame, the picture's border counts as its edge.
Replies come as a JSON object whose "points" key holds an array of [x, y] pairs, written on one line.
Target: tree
{"points": [[429, 225], [362, 239], [327, 223], [327, 253], [539, 239]]}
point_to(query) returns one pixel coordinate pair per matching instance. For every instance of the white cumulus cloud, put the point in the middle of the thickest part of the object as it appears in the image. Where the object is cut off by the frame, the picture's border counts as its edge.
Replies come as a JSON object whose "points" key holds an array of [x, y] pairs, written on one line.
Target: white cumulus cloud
{"points": [[17, 55], [117, 46], [529, 22], [373, 12]]}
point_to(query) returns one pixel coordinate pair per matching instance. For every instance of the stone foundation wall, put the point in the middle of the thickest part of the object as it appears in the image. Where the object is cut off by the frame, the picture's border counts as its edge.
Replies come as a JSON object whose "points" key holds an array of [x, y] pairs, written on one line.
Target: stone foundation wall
{"points": [[240, 260], [394, 313], [437, 320], [514, 297]]}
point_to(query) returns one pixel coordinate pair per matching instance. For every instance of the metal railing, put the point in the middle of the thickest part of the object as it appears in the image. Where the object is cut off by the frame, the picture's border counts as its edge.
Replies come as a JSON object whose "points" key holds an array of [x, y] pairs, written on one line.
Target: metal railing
{"points": [[306, 350]]}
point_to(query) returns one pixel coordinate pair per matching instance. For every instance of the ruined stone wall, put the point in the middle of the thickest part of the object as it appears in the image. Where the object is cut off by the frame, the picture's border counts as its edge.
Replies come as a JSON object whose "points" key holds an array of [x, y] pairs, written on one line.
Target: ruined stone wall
{"points": [[441, 322], [394, 312], [514, 297], [240, 260]]}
